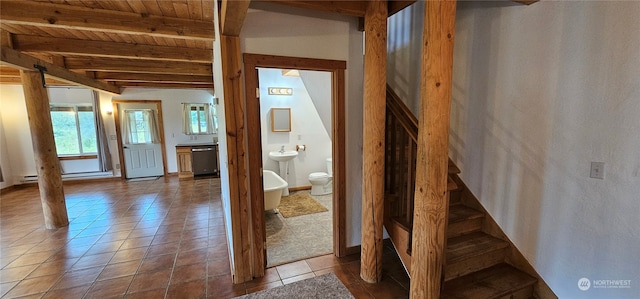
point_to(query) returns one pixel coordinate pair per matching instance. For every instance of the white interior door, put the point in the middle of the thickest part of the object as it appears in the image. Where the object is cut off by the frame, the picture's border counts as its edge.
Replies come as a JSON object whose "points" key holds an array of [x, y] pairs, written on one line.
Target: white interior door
{"points": [[142, 149], [143, 160]]}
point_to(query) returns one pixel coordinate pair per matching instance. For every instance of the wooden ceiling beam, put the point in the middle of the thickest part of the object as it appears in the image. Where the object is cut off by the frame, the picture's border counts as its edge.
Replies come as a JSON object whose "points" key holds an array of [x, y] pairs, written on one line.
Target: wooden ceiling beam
{"points": [[6, 71], [351, 8], [102, 20], [158, 78], [18, 81], [137, 66], [164, 85], [233, 13], [26, 62], [32, 43], [395, 6]]}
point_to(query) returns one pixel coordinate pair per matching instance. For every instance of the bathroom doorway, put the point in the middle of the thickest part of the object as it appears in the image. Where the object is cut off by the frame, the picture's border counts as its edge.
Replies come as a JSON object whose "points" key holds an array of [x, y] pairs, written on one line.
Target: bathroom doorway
{"points": [[336, 130], [295, 118]]}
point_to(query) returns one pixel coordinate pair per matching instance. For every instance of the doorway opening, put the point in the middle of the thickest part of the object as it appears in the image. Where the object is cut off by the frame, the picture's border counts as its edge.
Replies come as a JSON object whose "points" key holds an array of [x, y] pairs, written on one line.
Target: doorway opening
{"points": [[252, 64], [295, 112], [139, 131]]}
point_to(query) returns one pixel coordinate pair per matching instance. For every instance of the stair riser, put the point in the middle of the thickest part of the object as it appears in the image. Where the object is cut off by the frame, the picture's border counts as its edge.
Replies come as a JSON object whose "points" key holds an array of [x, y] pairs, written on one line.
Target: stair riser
{"points": [[474, 263], [455, 197], [524, 293], [464, 227]]}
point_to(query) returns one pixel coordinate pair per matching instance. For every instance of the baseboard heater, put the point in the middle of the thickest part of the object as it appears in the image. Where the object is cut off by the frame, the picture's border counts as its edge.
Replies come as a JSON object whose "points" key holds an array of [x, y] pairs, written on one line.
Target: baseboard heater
{"points": [[68, 176]]}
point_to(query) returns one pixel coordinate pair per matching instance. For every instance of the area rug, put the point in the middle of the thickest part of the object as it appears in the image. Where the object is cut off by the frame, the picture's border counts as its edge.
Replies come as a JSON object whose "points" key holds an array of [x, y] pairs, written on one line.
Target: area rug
{"points": [[298, 204], [324, 286]]}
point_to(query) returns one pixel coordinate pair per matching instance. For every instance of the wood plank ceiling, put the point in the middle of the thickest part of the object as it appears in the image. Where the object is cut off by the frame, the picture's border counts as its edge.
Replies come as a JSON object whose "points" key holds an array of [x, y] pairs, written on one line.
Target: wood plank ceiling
{"points": [[133, 43], [129, 43]]}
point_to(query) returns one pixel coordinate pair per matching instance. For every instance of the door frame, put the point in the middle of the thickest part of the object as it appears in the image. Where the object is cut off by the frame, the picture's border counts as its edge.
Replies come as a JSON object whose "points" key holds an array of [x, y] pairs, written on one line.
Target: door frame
{"points": [[252, 115], [116, 120]]}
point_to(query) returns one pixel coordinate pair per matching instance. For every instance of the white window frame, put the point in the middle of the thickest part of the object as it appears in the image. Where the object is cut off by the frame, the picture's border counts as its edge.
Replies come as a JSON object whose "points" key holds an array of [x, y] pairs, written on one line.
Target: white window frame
{"points": [[78, 132]]}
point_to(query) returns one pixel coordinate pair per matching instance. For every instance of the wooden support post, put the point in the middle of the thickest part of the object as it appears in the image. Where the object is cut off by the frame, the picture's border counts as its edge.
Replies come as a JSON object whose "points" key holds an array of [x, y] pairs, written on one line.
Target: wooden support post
{"points": [[431, 201], [44, 149], [375, 82], [238, 184]]}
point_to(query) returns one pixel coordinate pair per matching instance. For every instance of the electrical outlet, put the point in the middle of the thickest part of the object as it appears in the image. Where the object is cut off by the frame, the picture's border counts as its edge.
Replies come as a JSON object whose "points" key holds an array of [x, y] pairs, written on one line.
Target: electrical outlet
{"points": [[118, 166], [112, 137], [597, 170]]}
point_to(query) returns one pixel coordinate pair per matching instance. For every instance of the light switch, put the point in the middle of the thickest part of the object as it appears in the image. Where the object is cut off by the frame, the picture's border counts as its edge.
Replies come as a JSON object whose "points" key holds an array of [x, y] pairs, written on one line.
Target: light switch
{"points": [[597, 170]]}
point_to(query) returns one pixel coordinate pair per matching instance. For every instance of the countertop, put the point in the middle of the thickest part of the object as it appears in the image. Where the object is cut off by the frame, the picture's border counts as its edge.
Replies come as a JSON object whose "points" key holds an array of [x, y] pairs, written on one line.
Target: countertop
{"points": [[196, 144]]}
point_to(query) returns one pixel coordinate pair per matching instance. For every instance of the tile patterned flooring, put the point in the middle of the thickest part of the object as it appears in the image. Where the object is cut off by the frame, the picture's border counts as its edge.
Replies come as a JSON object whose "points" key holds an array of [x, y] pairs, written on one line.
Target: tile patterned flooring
{"points": [[295, 238], [148, 239]]}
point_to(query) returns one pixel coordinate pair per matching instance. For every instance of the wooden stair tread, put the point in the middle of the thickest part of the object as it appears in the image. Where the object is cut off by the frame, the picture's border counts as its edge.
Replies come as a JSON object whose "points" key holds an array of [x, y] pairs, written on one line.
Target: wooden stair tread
{"points": [[451, 184], [473, 244], [493, 282], [459, 212], [453, 168]]}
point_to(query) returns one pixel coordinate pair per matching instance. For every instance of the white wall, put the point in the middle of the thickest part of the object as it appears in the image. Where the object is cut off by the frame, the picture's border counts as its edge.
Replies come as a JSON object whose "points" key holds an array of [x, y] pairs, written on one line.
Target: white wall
{"points": [[318, 85], [171, 114], [222, 137], [16, 122], [306, 127], [404, 50], [539, 92], [5, 162], [17, 135], [300, 33], [16, 125]]}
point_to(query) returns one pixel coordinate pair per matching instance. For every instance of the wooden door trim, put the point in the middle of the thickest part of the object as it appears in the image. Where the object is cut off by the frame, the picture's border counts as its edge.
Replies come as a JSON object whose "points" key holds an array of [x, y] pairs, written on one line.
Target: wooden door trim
{"points": [[116, 120], [252, 116]]}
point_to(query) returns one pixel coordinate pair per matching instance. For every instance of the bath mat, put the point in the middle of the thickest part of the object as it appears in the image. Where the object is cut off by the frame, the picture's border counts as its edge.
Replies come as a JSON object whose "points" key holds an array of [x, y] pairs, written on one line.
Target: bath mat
{"points": [[324, 286], [299, 204]]}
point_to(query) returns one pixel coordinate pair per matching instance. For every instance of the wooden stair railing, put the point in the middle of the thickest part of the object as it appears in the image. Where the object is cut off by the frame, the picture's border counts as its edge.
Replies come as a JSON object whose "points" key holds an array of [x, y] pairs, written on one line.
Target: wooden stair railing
{"points": [[476, 264], [400, 166]]}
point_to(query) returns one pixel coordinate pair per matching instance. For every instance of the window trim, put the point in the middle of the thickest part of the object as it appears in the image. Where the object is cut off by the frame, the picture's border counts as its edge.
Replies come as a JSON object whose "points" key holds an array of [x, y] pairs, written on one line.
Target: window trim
{"points": [[197, 107], [76, 157], [76, 108]]}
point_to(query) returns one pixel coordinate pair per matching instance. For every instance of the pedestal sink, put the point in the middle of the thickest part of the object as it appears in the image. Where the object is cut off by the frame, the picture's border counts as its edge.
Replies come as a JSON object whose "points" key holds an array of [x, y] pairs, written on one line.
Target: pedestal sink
{"points": [[283, 158]]}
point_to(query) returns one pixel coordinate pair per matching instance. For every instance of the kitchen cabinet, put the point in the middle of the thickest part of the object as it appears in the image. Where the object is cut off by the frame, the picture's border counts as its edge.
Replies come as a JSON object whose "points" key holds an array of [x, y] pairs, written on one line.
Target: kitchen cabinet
{"points": [[197, 159], [185, 169]]}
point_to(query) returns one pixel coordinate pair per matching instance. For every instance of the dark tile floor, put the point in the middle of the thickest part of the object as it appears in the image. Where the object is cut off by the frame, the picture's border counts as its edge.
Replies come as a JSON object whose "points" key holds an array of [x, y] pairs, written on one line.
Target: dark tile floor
{"points": [[146, 239]]}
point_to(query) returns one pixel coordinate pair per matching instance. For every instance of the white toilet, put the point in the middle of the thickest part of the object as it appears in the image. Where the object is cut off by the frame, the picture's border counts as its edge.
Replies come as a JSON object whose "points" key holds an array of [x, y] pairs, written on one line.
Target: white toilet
{"points": [[322, 182]]}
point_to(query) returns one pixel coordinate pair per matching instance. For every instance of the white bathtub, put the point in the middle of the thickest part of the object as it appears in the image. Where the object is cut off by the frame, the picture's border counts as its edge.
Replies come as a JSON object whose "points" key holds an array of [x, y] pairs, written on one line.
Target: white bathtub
{"points": [[273, 186]]}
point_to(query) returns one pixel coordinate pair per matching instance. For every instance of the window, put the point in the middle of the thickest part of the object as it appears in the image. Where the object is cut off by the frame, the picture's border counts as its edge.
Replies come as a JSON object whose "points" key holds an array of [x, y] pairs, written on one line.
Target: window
{"points": [[140, 126], [74, 129], [199, 119]]}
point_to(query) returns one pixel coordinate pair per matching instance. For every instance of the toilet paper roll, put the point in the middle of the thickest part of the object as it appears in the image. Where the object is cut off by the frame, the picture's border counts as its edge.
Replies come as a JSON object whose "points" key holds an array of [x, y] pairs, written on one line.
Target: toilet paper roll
{"points": [[301, 147]]}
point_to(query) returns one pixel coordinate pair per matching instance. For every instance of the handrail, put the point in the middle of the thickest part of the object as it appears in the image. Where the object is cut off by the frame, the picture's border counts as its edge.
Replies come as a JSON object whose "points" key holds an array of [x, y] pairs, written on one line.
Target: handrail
{"points": [[400, 111], [400, 161]]}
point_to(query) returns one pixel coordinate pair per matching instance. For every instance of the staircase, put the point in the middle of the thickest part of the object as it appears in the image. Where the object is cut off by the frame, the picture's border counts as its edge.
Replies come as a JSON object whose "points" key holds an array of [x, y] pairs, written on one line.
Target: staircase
{"points": [[476, 262]]}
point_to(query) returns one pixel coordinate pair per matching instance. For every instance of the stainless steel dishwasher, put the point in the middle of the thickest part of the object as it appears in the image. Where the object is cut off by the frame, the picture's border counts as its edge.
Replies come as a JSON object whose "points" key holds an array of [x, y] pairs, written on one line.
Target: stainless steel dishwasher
{"points": [[205, 160]]}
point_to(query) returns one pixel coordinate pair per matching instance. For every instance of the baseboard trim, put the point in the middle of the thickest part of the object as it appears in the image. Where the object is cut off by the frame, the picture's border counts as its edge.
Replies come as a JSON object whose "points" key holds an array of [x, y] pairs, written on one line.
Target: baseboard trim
{"points": [[294, 189], [353, 250]]}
